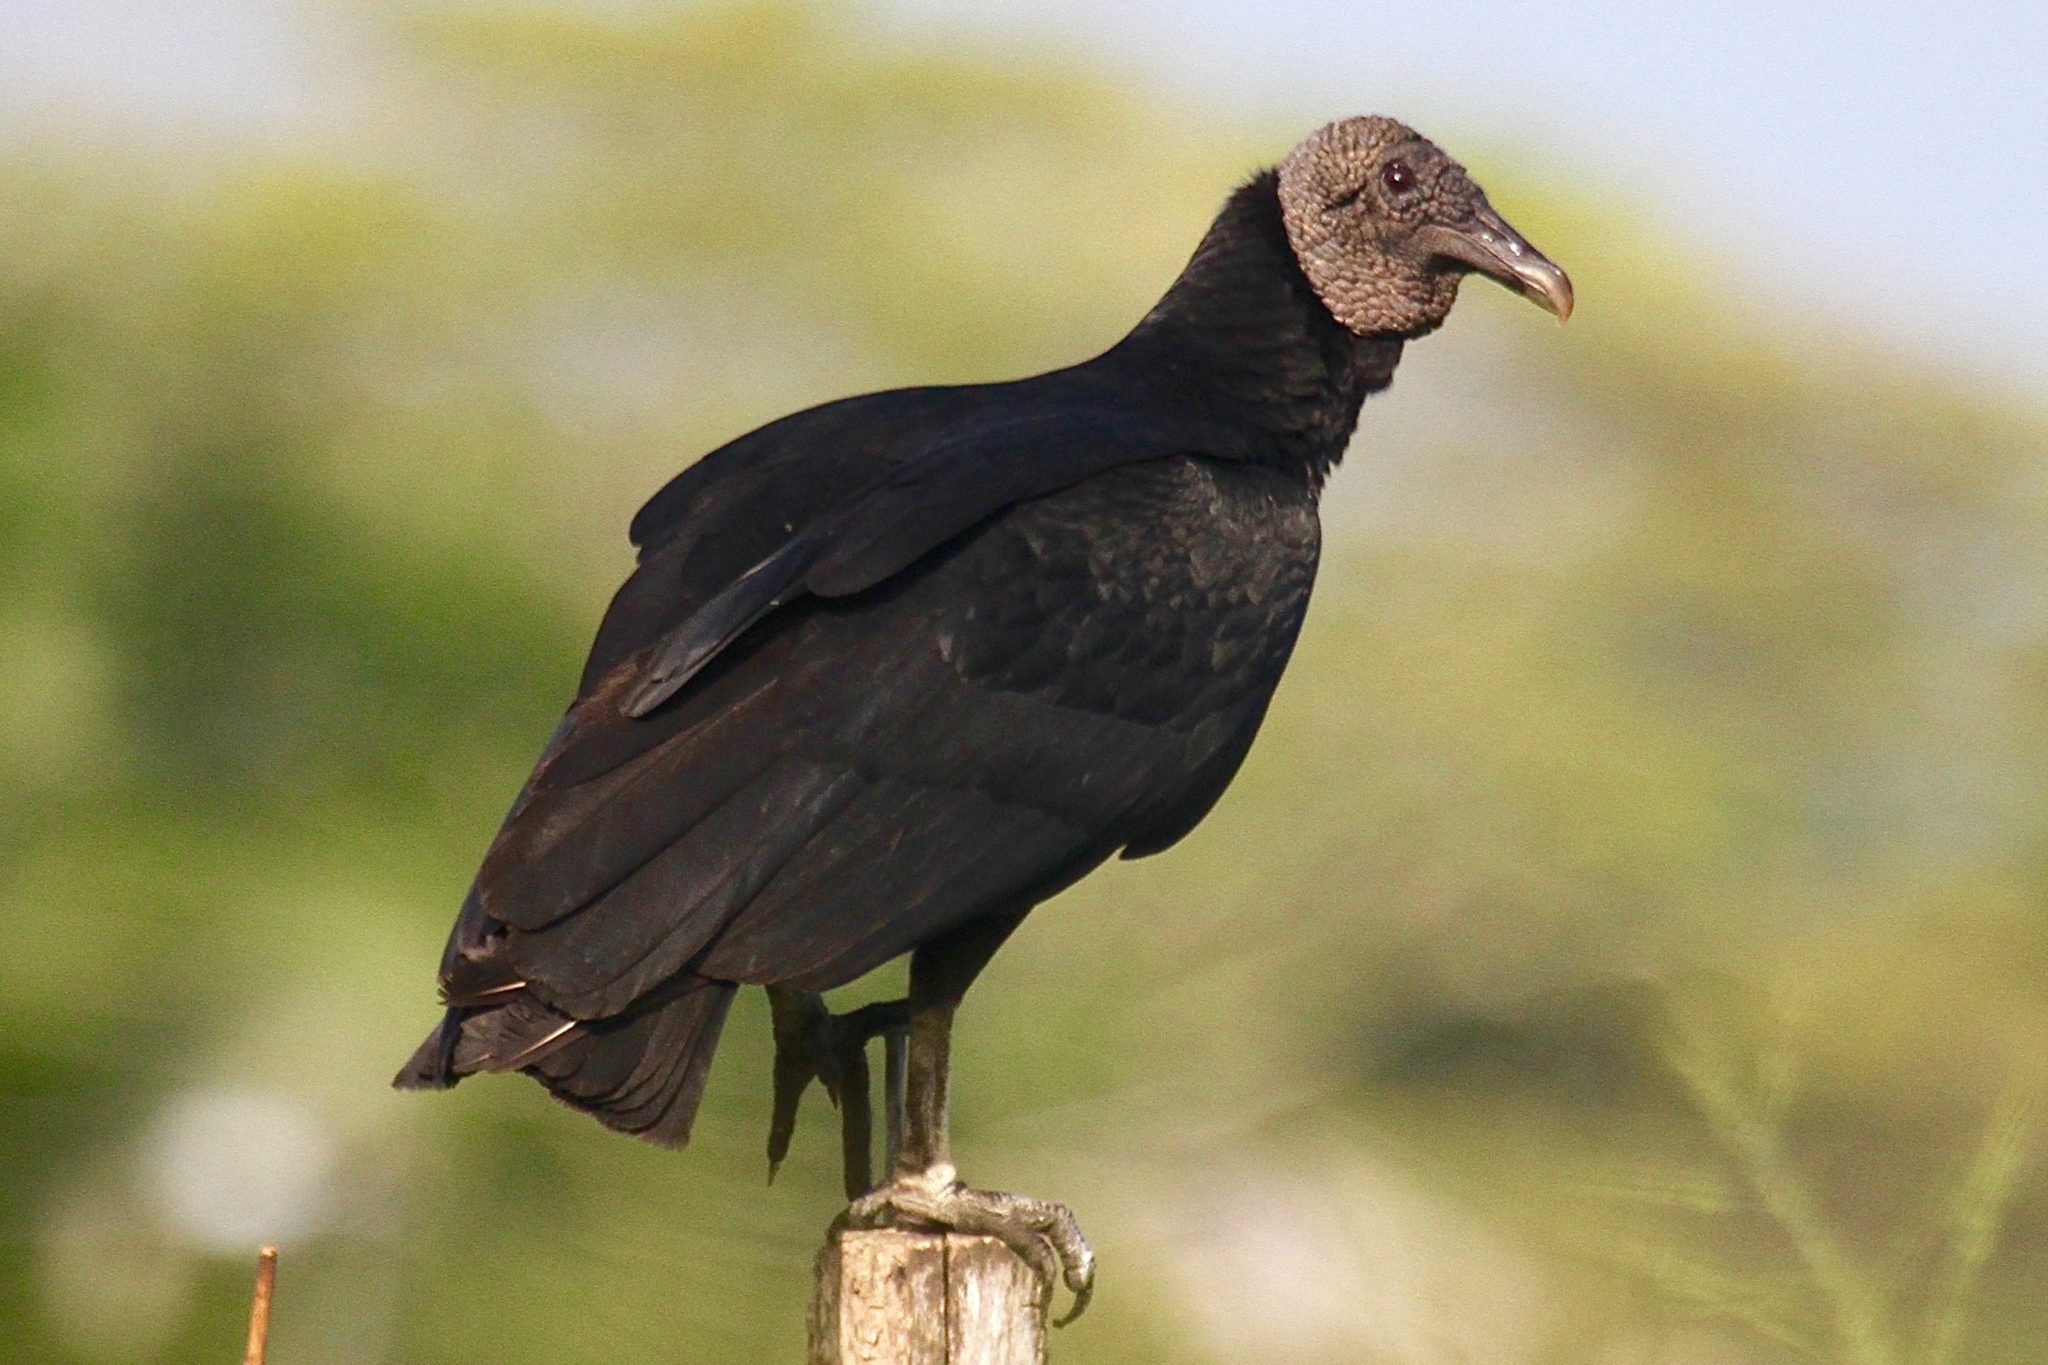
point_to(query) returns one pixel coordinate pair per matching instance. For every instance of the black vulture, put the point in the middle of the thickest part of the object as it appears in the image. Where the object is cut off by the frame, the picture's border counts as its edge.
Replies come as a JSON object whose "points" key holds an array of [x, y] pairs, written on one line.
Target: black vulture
{"points": [[893, 670]]}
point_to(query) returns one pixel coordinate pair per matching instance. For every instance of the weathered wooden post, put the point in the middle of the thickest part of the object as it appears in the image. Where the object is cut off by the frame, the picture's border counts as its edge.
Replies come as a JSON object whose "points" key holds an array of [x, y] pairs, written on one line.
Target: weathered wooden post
{"points": [[898, 1297]]}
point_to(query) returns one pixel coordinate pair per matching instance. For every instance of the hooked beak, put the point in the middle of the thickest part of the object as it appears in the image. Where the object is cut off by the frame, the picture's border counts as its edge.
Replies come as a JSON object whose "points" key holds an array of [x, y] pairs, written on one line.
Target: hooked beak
{"points": [[1488, 245]]}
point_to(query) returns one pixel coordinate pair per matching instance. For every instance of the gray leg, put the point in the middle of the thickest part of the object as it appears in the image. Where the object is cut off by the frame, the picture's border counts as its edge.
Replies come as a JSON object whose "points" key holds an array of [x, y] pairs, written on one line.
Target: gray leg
{"points": [[812, 1043], [895, 1062]]}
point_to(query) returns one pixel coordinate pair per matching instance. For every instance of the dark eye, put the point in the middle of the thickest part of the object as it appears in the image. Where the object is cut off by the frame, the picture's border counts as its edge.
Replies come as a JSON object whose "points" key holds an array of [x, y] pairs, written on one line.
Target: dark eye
{"points": [[1396, 176]]}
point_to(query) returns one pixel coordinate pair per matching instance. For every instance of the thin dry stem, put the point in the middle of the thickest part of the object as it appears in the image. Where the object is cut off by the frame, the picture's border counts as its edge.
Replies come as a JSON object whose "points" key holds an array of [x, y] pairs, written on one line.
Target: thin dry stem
{"points": [[1741, 1122], [1976, 1211], [259, 1307]]}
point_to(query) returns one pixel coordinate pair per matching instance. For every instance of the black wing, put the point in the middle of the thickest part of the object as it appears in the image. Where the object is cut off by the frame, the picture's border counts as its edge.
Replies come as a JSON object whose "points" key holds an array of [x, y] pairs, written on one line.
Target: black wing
{"points": [[920, 726], [859, 774]]}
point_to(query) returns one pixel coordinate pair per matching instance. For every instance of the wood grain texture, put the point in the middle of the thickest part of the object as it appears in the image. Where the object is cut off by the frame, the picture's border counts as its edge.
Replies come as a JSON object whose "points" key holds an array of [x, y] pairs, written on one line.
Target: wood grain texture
{"points": [[893, 1297], [995, 1313]]}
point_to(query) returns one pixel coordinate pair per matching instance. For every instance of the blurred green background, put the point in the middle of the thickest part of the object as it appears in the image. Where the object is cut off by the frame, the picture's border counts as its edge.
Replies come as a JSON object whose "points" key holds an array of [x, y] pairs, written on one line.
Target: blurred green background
{"points": [[1626, 944]]}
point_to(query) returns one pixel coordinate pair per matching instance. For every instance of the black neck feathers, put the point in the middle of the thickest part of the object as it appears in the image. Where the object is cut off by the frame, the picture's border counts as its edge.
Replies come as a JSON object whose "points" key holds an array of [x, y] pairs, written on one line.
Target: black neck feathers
{"points": [[1242, 334]]}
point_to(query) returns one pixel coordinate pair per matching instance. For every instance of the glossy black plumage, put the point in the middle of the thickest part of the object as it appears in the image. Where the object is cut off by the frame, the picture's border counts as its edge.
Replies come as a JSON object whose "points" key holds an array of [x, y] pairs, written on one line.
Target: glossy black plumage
{"points": [[903, 661]]}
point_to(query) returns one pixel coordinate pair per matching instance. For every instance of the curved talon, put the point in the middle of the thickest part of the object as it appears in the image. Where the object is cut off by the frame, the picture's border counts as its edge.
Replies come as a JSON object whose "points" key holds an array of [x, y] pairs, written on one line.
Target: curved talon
{"points": [[1083, 1292], [1077, 1261]]}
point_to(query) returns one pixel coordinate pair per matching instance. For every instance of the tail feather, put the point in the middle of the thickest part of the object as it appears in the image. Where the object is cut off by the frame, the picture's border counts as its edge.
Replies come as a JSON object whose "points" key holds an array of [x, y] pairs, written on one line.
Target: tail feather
{"points": [[642, 1072]]}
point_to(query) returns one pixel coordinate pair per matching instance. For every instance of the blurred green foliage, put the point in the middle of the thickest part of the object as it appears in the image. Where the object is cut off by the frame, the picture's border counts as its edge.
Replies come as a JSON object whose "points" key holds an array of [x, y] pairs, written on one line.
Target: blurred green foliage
{"points": [[1626, 944]]}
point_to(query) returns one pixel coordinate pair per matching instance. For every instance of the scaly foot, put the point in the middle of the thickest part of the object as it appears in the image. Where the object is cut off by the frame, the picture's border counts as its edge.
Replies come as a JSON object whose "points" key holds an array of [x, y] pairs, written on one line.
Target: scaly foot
{"points": [[1042, 1232]]}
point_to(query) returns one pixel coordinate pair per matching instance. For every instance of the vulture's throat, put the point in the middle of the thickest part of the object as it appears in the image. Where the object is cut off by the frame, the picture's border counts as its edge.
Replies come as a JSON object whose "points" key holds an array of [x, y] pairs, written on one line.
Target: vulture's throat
{"points": [[1242, 334]]}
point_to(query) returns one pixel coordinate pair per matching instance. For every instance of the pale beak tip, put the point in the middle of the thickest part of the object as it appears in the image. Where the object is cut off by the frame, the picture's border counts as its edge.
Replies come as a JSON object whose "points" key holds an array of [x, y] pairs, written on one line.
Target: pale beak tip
{"points": [[1549, 288]]}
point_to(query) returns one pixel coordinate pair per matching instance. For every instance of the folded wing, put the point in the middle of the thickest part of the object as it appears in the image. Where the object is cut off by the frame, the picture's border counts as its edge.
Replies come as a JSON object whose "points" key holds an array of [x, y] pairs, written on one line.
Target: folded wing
{"points": [[981, 675]]}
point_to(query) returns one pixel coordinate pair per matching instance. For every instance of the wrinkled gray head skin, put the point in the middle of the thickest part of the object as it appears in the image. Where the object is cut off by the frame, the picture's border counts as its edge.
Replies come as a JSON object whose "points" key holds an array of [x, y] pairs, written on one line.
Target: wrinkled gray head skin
{"points": [[1384, 225]]}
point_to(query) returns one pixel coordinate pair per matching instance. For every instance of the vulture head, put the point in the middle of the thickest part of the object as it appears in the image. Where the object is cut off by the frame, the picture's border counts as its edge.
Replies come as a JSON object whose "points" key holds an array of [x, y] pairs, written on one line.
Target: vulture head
{"points": [[1384, 226]]}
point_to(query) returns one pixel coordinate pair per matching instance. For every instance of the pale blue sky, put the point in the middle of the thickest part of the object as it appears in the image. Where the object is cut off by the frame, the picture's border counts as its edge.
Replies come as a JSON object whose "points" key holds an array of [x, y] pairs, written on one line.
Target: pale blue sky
{"points": [[1878, 161], [1885, 161]]}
